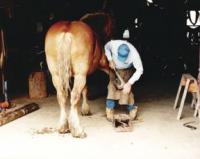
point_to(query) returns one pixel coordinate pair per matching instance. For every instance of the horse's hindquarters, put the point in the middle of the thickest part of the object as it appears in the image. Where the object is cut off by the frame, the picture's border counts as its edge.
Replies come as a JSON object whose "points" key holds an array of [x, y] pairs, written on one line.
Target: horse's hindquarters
{"points": [[69, 51]]}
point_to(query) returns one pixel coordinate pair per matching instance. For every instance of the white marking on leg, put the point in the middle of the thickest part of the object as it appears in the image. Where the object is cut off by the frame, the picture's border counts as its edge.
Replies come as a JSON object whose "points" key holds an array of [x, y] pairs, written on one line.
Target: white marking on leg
{"points": [[63, 117]]}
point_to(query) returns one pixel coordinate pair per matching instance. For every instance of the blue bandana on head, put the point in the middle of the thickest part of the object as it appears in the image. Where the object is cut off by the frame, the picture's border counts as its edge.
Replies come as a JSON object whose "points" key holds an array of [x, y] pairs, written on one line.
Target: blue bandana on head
{"points": [[123, 51]]}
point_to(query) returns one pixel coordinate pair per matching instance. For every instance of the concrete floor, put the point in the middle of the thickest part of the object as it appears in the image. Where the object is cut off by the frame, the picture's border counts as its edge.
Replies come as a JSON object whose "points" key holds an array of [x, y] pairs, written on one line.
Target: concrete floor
{"points": [[156, 134]]}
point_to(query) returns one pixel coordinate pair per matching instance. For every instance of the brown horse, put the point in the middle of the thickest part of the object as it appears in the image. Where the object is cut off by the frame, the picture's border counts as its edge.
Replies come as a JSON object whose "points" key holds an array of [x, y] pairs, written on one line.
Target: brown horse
{"points": [[75, 49]]}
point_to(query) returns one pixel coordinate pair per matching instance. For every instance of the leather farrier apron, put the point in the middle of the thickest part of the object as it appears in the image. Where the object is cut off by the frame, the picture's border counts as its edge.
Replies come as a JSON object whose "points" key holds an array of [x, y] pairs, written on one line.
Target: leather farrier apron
{"points": [[117, 94]]}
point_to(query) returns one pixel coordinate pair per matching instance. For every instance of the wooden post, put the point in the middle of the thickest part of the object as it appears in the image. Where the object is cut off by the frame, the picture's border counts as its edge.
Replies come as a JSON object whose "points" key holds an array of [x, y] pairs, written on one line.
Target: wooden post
{"points": [[37, 85]]}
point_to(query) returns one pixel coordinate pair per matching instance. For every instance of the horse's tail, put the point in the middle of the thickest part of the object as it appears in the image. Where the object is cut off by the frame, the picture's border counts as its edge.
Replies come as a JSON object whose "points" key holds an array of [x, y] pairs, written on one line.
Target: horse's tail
{"points": [[64, 60]]}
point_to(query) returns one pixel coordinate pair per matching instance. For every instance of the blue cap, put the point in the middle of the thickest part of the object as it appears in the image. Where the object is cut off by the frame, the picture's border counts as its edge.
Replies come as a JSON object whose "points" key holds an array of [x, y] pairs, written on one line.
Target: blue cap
{"points": [[123, 51]]}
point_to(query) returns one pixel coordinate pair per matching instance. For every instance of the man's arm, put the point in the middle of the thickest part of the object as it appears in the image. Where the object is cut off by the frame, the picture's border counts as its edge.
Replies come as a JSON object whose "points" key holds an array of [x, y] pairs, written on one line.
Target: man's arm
{"points": [[108, 54], [137, 63]]}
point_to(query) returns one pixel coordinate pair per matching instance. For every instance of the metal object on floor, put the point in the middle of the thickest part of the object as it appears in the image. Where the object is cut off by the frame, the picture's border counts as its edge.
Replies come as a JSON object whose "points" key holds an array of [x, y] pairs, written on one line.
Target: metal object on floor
{"points": [[188, 125], [190, 85]]}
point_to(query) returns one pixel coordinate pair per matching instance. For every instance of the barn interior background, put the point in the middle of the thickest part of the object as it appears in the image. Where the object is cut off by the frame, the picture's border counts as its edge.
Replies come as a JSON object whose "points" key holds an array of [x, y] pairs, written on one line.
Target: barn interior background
{"points": [[158, 29]]}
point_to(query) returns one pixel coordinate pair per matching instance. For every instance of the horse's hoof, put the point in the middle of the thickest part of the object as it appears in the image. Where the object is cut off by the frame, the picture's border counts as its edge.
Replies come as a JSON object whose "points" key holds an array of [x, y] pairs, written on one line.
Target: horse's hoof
{"points": [[63, 129], [86, 113], [110, 114], [85, 110], [78, 134]]}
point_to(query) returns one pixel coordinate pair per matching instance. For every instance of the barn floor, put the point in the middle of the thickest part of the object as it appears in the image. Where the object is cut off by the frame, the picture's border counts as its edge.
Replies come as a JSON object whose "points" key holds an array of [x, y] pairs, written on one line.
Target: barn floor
{"points": [[156, 133]]}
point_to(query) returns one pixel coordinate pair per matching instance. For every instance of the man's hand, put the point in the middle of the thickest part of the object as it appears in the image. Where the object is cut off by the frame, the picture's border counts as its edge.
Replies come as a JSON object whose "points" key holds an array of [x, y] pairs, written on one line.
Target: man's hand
{"points": [[112, 64], [126, 88]]}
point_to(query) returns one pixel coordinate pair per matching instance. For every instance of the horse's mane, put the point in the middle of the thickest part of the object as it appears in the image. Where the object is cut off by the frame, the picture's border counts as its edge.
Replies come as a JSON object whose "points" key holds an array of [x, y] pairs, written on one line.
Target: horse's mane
{"points": [[101, 23]]}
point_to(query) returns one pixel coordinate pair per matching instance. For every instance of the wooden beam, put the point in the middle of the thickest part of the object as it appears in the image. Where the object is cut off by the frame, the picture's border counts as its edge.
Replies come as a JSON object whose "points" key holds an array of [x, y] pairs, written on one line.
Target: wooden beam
{"points": [[17, 112]]}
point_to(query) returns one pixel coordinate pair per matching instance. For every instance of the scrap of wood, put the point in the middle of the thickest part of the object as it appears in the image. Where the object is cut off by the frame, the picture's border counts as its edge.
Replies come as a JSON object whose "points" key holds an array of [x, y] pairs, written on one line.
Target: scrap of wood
{"points": [[17, 112]]}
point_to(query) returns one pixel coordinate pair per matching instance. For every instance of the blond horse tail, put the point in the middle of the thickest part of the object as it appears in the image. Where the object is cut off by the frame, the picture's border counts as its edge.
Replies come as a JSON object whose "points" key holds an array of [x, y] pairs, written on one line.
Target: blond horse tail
{"points": [[64, 60]]}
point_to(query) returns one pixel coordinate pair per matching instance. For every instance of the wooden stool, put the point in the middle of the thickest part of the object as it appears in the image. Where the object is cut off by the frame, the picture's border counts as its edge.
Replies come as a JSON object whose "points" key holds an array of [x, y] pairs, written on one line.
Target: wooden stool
{"points": [[191, 85]]}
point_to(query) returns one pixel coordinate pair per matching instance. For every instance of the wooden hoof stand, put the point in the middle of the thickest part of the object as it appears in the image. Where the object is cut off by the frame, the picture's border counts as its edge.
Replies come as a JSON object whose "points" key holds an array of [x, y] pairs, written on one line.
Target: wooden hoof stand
{"points": [[122, 123]]}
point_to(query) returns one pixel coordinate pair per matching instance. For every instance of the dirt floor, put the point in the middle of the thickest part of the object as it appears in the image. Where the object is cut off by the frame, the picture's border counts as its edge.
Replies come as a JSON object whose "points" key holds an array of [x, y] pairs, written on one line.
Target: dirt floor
{"points": [[156, 132]]}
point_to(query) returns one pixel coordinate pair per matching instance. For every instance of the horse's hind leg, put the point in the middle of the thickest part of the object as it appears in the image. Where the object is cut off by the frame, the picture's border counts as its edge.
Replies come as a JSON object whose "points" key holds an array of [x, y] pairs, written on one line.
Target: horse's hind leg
{"points": [[85, 107], [74, 123], [62, 101]]}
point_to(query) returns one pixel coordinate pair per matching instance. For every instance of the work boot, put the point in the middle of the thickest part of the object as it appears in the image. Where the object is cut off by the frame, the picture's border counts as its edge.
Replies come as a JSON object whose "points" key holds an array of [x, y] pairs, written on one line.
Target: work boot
{"points": [[133, 113], [109, 114]]}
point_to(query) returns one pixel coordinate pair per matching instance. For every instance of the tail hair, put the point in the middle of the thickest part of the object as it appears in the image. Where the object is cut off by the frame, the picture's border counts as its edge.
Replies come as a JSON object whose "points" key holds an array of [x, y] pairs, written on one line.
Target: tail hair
{"points": [[64, 61]]}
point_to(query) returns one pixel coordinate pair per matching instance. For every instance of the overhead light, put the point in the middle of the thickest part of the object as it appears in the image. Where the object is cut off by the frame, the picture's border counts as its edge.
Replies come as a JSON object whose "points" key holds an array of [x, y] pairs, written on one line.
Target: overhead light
{"points": [[136, 22], [154, 3], [193, 23], [193, 19], [126, 34], [150, 1]]}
